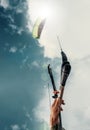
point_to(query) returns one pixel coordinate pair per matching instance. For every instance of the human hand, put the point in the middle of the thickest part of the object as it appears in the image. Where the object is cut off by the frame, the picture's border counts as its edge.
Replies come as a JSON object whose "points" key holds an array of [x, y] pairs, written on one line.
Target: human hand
{"points": [[55, 109]]}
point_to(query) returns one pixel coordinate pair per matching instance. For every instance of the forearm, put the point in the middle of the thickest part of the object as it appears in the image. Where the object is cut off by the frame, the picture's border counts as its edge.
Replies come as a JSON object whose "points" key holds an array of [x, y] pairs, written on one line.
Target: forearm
{"points": [[54, 119]]}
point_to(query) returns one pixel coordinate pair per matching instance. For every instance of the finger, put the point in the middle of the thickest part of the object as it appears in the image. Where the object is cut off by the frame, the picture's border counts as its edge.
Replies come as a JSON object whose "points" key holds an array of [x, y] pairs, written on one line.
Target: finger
{"points": [[61, 109], [56, 92], [63, 102]]}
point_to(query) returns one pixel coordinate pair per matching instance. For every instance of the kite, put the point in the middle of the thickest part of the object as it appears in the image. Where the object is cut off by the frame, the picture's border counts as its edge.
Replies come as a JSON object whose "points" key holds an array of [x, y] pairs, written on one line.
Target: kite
{"points": [[38, 27]]}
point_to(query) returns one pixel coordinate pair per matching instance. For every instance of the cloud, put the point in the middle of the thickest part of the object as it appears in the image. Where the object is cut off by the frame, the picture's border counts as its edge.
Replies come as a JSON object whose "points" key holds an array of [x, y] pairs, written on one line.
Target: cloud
{"points": [[22, 49], [77, 95], [13, 49], [42, 111], [24, 126], [11, 4], [87, 113], [19, 10], [20, 30], [4, 3], [25, 60], [15, 127], [11, 18], [14, 27], [28, 116], [35, 64]]}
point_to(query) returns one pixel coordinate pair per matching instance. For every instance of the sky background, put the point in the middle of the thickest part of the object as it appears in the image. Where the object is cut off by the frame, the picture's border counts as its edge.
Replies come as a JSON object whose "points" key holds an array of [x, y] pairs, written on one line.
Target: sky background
{"points": [[24, 99]]}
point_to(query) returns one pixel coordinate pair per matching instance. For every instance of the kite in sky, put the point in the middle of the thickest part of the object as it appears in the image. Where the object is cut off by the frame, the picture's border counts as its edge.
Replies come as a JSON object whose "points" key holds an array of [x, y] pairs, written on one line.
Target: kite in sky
{"points": [[38, 27]]}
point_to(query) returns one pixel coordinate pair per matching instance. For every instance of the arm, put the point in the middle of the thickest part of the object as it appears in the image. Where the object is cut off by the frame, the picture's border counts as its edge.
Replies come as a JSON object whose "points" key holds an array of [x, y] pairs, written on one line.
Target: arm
{"points": [[54, 115]]}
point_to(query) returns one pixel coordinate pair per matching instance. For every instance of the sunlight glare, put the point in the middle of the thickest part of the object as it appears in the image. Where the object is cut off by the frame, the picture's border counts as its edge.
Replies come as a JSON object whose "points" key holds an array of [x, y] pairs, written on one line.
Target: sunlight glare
{"points": [[42, 10], [45, 12]]}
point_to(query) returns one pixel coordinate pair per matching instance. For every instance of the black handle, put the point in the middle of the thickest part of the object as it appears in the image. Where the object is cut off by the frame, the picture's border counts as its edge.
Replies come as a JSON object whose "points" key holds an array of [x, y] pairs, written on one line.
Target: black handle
{"points": [[52, 80]]}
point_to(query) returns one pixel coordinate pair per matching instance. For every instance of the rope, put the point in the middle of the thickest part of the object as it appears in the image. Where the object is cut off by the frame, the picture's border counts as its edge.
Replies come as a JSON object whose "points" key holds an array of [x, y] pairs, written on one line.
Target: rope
{"points": [[49, 96], [59, 43]]}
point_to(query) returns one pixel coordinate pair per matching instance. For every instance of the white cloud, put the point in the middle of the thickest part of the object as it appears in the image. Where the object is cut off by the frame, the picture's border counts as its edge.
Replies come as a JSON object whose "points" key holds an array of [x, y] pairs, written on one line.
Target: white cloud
{"points": [[13, 49], [77, 96], [15, 127], [27, 114], [4, 3], [11, 18], [25, 60], [87, 113], [22, 49], [25, 127], [20, 30], [35, 64], [14, 27], [42, 110], [19, 10]]}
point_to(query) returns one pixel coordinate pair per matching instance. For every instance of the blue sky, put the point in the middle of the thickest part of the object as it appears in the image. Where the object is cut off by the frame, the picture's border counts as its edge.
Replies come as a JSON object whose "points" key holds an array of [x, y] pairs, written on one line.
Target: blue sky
{"points": [[24, 102]]}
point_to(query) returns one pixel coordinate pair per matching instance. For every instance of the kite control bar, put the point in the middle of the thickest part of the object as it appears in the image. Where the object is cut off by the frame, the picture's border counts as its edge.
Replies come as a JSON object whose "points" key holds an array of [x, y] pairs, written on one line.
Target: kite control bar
{"points": [[65, 69], [52, 80]]}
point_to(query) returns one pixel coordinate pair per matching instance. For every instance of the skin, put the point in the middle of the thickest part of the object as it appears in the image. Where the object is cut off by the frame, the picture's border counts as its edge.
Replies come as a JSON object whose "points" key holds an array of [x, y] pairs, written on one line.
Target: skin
{"points": [[55, 109]]}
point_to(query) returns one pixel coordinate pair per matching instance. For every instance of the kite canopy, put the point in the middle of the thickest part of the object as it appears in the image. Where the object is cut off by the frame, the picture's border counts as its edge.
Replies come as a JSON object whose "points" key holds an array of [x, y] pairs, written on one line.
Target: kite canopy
{"points": [[38, 27]]}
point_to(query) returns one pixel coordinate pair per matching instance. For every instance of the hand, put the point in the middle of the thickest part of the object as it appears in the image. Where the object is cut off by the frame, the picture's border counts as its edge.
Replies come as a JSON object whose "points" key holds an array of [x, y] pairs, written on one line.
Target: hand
{"points": [[55, 109]]}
